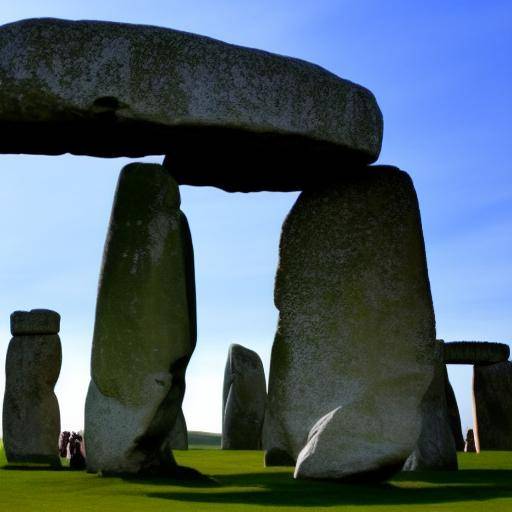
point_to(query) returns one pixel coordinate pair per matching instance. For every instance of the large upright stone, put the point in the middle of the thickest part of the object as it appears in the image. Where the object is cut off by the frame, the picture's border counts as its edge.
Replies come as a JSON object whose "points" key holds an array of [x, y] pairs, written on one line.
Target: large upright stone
{"points": [[112, 89], [243, 400], [454, 416], [145, 330], [31, 417], [354, 345], [435, 449], [492, 399]]}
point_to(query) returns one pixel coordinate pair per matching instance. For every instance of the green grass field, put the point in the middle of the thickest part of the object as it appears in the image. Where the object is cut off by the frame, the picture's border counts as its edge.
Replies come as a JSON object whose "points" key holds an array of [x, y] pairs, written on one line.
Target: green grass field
{"points": [[239, 482]]}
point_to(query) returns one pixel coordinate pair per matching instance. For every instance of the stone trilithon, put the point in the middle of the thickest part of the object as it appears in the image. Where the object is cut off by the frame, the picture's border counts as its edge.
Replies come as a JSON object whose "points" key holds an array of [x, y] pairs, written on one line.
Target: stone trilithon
{"points": [[145, 327]]}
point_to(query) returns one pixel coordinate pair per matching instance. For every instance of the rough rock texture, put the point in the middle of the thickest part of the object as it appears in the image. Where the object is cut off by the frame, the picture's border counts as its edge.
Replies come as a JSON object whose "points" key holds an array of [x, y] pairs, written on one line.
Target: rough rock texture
{"points": [[145, 328], [35, 321], [435, 449], [178, 438], [469, 445], [454, 416], [492, 395], [354, 344], [31, 417], [475, 352], [113, 89], [243, 400]]}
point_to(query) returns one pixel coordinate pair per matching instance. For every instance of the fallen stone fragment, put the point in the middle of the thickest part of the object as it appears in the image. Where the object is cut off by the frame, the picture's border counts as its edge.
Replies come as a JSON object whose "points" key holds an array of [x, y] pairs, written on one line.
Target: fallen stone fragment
{"points": [[492, 398], [114, 89], [35, 321], [435, 449], [145, 327], [31, 417], [243, 401], [475, 352], [353, 352]]}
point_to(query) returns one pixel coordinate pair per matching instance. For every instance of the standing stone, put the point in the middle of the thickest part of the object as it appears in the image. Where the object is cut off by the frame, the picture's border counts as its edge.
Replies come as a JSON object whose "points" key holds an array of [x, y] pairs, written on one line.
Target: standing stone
{"points": [[470, 445], [492, 398], [31, 417], [145, 328], [454, 416], [243, 400], [435, 449], [354, 345], [178, 438]]}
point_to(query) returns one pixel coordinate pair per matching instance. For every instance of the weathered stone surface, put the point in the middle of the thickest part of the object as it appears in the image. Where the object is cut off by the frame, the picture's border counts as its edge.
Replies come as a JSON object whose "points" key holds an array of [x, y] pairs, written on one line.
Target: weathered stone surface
{"points": [[178, 438], [475, 352], [356, 329], [145, 328], [470, 445], [435, 449], [114, 89], [492, 395], [243, 400], [31, 417], [35, 321], [454, 416]]}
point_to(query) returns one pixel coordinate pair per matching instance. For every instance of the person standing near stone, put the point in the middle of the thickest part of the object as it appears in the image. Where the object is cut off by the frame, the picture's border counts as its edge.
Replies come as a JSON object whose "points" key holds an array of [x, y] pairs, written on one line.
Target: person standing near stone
{"points": [[145, 327], [243, 400], [354, 350], [31, 416]]}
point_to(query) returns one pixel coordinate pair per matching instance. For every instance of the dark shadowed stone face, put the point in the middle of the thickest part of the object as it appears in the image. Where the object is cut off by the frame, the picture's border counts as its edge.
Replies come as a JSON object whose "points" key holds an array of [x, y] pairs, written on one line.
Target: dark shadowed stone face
{"points": [[178, 438], [244, 399], [475, 352], [113, 89], [435, 449], [492, 395]]}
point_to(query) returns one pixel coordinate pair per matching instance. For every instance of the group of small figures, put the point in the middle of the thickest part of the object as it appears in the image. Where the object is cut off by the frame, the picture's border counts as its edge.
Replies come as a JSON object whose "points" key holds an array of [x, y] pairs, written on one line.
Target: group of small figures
{"points": [[71, 446]]}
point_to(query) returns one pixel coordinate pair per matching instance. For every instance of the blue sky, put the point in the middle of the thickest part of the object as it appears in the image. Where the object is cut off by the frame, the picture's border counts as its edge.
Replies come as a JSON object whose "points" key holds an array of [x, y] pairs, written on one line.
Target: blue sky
{"points": [[442, 76]]}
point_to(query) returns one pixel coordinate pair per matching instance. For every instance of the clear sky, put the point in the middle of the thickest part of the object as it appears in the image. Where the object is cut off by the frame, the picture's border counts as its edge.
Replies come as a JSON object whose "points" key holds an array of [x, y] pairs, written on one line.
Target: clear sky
{"points": [[441, 73]]}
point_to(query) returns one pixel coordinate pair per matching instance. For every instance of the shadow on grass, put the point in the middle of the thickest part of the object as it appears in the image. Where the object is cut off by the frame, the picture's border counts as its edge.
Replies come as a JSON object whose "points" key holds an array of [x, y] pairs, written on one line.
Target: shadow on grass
{"points": [[28, 467], [281, 489], [181, 476]]}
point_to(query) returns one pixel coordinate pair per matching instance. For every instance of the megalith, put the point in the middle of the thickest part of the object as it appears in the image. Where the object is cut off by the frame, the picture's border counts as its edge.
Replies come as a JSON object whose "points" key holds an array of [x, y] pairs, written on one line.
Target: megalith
{"points": [[178, 438], [145, 327], [454, 416], [31, 416], [435, 449], [354, 349], [492, 402], [475, 352], [243, 400], [114, 89], [470, 445]]}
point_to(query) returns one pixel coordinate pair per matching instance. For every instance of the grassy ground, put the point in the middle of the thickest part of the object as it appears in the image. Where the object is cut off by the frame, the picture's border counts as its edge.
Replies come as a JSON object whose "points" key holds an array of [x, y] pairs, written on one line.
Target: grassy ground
{"points": [[240, 483]]}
